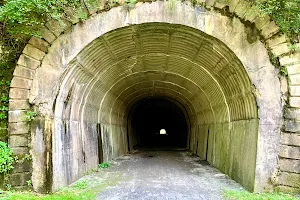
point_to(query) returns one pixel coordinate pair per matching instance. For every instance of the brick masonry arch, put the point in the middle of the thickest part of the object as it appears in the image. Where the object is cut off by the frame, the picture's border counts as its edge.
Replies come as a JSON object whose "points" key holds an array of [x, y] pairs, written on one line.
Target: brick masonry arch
{"points": [[50, 63]]}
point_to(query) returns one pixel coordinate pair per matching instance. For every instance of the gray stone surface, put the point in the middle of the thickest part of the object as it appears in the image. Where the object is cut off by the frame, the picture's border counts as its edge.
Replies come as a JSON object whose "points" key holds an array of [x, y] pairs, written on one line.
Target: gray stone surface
{"points": [[165, 175]]}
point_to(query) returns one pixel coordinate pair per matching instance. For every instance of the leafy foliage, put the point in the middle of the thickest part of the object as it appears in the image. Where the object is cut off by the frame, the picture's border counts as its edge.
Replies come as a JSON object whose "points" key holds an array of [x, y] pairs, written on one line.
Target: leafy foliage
{"points": [[6, 158], [27, 17], [81, 184], [285, 13], [30, 116], [104, 165], [21, 19]]}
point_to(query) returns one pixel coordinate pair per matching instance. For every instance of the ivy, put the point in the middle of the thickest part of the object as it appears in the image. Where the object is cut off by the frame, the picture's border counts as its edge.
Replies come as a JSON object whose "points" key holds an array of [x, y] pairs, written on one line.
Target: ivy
{"points": [[6, 158], [20, 20], [30, 116], [286, 14]]}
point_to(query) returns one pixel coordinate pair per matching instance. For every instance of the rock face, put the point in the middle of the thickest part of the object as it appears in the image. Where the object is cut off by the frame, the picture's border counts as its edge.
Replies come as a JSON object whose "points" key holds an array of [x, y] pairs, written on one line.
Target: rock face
{"points": [[84, 79]]}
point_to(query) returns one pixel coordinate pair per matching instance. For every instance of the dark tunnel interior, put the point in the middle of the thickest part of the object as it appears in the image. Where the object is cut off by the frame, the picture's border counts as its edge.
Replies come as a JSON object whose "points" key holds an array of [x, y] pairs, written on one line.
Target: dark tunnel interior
{"points": [[150, 116]]}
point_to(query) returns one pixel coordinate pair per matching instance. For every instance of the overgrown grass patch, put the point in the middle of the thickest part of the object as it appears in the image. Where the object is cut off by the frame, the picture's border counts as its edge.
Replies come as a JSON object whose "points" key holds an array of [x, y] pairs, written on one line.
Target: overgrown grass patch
{"points": [[245, 195], [84, 189], [104, 165], [65, 195]]}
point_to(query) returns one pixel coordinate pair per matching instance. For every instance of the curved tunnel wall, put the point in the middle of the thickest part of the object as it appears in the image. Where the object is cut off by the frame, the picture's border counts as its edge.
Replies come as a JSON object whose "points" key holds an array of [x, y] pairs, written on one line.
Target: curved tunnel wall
{"points": [[94, 73], [154, 59]]}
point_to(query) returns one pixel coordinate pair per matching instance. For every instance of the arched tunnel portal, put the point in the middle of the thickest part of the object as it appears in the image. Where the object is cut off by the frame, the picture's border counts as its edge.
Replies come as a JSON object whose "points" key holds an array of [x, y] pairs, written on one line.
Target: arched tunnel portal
{"points": [[122, 68], [111, 83]]}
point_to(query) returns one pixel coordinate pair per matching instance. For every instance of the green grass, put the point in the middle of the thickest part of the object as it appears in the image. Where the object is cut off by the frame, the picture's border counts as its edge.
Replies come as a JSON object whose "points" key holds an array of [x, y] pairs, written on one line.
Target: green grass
{"points": [[65, 195], [104, 165], [84, 189], [81, 184], [245, 195]]}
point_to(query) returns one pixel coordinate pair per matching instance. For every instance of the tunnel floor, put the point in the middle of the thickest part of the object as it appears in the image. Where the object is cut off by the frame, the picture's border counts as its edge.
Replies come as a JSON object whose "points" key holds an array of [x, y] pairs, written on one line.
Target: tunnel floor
{"points": [[163, 175]]}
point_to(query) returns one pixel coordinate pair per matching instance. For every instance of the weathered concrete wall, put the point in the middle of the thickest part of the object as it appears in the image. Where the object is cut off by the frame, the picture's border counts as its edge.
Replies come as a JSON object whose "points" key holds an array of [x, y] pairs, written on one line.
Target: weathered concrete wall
{"points": [[41, 152], [230, 148], [79, 55]]}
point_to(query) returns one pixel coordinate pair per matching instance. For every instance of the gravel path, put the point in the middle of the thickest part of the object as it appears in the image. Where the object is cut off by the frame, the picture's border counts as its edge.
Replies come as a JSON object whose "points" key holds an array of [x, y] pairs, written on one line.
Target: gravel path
{"points": [[165, 175]]}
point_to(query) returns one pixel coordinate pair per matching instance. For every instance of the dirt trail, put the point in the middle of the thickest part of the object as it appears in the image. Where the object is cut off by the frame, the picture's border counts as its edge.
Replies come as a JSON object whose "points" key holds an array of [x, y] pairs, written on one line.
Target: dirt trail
{"points": [[166, 175]]}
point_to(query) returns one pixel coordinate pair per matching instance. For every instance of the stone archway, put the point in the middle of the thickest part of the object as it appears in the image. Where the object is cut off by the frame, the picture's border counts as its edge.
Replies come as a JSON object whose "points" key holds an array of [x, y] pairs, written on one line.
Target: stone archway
{"points": [[94, 72]]}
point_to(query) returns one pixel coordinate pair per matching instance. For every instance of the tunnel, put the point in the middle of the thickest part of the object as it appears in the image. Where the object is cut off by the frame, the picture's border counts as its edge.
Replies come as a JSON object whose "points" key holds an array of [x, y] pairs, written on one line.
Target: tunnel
{"points": [[127, 85], [161, 74], [157, 123]]}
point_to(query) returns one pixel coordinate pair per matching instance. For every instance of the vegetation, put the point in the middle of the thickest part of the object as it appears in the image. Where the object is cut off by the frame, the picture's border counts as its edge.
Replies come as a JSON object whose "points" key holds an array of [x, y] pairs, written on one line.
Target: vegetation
{"points": [[81, 184], [245, 195], [285, 13], [62, 195], [104, 165], [6, 158], [84, 189], [30, 116]]}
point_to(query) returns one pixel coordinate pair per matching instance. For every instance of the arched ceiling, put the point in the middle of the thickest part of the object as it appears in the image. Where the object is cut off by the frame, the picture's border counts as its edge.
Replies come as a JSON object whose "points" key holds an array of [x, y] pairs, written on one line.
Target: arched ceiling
{"points": [[160, 59]]}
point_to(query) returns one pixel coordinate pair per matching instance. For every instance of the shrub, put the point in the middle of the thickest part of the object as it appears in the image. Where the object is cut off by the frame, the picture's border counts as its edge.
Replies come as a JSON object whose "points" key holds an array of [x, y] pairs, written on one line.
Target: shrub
{"points": [[6, 158]]}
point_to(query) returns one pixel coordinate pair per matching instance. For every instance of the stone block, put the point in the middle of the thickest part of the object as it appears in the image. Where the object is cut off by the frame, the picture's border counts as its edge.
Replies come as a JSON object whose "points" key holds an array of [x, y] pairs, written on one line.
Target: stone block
{"points": [[210, 3], [33, 52], [19, 179], [15, 104], [17, 116], [20, 82], [18, 128], [290, 139], [220, 5], [39, 43], [276, 41], [294, 79], [287, 189], [21, 71], [23, 188], [252, 14], [261, 21], [47, 35], [293, 69], [289, 152], [289, 165], [270, 29], [242, 8], [20, 150], [232, 5], [289, 179], [280, 49], [295, 102], [94, 6], [290, 60], [295, 91], [18, 141], [292, 126], [292, 113], [28, 62], [18, 93], [57, 27], [22, 166]]}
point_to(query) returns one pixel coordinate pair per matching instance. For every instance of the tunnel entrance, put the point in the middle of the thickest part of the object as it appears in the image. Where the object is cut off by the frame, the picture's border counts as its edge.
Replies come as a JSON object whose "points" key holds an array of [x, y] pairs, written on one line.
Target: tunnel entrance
{"points": [[158, 123], [108, 86]]}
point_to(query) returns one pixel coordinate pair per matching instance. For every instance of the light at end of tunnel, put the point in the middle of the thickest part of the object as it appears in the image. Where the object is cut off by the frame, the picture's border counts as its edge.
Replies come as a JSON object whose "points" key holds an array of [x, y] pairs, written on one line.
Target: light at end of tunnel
{"points": [[162, 132]]}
